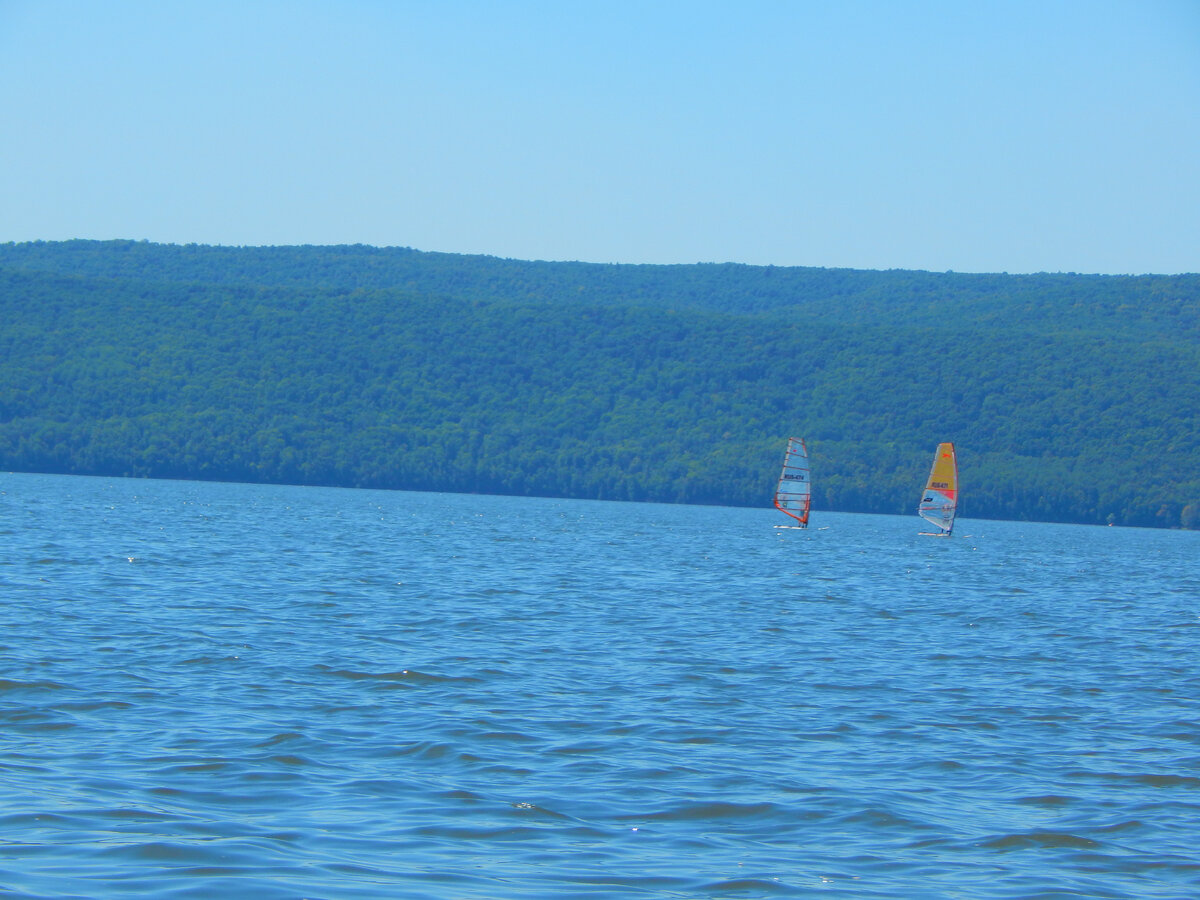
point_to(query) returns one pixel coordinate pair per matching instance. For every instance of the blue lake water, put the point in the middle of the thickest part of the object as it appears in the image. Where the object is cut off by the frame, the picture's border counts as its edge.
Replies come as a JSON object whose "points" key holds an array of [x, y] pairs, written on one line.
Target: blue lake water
{"points": [[218, 690]]}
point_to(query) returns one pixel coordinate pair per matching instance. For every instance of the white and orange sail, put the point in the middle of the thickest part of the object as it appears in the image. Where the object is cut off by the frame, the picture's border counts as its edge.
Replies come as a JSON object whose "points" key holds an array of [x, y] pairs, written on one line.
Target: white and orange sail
{"points": [[939, 503], [793, 495]]}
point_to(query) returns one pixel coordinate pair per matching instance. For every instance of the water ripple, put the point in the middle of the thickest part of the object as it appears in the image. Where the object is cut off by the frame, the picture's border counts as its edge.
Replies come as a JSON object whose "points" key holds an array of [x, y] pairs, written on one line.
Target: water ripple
{"points": [[231, 690]]}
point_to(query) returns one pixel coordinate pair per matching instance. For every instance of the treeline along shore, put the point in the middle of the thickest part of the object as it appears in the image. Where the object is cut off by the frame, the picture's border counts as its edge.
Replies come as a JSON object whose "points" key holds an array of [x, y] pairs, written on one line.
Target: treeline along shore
{"points": [[1071, 398]]}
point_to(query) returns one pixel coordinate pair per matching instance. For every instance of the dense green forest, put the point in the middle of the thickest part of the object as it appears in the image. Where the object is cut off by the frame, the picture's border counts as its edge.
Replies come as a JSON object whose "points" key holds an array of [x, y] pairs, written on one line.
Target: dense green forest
{"points": [[1071, 397]]}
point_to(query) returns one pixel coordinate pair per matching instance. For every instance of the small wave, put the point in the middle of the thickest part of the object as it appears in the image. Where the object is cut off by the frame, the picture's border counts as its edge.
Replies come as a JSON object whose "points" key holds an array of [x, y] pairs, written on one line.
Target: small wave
{"points": [[92, 706], [949, 765], [33, 820], [129, 814], [874, 818], [1042, 839], [833, 734], [585, 749], [526, 808], [710, 811], [209, 660], [479, 833], [203, 768], [208, 871], [169, 852], [283, 737], [426, 750], [9, 685], [1188, 781], [1047, 800], [35, 720], [291, 760], [507, 736], [405, 676], [460, 795], [1155, 779], [1120, 827], [750, 886], [377, 788]]}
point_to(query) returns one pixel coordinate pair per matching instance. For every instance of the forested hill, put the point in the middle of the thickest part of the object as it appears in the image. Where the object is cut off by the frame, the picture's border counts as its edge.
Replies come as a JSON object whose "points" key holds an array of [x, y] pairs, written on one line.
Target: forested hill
{"points": [[1071, 397], [848, 295]]}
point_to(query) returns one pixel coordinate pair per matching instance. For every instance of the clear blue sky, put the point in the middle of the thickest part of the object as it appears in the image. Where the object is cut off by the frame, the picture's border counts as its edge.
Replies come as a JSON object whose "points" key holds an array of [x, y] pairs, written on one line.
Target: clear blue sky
{"points": [[980, 137]]}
